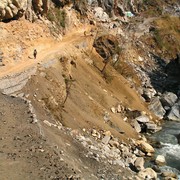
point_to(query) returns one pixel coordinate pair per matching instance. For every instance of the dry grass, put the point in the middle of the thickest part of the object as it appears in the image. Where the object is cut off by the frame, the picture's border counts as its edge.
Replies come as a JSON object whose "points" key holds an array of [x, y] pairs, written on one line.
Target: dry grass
{"points": [[167, 34]]}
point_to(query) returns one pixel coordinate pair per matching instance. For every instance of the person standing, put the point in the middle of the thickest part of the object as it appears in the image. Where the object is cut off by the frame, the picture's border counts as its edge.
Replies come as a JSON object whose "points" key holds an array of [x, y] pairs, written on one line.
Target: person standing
{"points": [[35, 54]]}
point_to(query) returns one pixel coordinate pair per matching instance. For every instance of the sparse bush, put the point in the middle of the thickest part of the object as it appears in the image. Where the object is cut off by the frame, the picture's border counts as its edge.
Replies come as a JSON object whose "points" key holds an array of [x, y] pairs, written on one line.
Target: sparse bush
{"points": [[158, 38], [127, 71], [58, 16], [107, 76]]}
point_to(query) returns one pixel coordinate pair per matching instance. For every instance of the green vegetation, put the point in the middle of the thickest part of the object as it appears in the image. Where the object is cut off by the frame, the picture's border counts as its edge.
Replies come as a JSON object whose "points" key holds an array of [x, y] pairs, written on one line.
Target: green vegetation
{"points": [[58, 16]]}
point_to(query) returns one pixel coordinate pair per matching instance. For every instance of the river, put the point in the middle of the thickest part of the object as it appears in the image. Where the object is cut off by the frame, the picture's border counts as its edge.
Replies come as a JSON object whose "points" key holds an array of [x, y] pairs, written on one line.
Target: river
{"points": [[170, 147]]}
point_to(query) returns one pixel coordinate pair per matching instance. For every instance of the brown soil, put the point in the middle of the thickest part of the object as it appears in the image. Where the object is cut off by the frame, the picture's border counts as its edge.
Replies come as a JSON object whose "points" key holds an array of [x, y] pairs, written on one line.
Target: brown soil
{"points": [[36, 151]]}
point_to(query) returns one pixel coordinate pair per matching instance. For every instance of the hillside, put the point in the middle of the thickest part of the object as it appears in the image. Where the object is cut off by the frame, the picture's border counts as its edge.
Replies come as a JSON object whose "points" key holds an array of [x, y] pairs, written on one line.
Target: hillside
{"points": [[82, 108]]}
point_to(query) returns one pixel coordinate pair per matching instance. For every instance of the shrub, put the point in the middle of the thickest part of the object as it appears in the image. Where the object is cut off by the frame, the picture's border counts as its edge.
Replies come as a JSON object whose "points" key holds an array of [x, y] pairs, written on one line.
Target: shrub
{"points": [[58, 16], [108, 77]]}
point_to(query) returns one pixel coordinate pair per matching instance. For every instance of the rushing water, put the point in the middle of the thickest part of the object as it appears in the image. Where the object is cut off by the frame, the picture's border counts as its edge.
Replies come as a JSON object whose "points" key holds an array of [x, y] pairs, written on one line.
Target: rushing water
{"points": [[170, 147]]}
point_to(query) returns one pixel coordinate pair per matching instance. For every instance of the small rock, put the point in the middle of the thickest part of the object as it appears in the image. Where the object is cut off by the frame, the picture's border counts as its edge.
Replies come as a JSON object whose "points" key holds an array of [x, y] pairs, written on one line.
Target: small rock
{"points": [[113, 109], [94, 133], [160, 160], [125, 119], [119, 108], [107, 117], [47, 123], [107, 133], [114, 143], [17, 138], [106, 139], [149, 154]]}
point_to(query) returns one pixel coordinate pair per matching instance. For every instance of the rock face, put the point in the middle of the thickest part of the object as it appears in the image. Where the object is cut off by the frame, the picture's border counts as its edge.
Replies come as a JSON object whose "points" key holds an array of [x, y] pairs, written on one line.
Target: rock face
{"points": [[10, 9]]}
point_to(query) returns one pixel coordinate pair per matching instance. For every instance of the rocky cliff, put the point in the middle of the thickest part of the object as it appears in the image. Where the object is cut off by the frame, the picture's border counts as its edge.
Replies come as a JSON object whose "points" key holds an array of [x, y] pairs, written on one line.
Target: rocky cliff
{"points": [[14, 9]]}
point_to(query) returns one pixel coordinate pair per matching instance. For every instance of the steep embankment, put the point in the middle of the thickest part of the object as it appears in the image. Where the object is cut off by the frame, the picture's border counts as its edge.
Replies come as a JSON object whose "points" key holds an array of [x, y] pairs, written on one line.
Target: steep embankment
{"points": [[89, 99], [66, 88], [79, 103]]}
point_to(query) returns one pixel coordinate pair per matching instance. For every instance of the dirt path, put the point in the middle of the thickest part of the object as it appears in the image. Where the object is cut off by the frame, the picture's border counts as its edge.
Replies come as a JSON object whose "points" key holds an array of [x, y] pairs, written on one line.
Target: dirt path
{"points": [[44, 53]]}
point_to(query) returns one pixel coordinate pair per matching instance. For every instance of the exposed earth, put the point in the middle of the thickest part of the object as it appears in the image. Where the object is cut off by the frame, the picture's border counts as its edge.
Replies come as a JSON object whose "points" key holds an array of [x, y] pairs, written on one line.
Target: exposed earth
{"points": [[74, 112]]}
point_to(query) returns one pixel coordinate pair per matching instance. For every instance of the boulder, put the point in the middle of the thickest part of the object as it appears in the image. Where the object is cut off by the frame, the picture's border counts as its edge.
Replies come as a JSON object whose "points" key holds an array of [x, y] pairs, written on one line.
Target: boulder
{"points": [[153, 127], [169, 174], [100, 14], [160, 160], [142, 119], [148, 172], [174, 113], [113, 110], [157, 108], [168, 99], [139, 163], [145, 147], [136, 126]]}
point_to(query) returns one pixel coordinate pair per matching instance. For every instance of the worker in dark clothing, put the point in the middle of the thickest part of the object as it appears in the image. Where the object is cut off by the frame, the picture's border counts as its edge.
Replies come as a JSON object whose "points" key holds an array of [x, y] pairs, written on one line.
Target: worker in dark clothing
{"points": [[35, 53]]}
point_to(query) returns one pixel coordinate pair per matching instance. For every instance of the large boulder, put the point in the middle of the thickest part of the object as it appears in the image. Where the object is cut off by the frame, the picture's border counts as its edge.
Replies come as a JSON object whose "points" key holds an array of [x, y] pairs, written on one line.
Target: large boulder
{"points": [[174, 113], [145, 147], [168, 99], [157, 108]]}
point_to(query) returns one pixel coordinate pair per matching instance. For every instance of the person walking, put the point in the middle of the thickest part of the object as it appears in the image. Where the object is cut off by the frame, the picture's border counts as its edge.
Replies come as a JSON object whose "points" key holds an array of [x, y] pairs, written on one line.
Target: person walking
{"points": [[35, 53]]}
